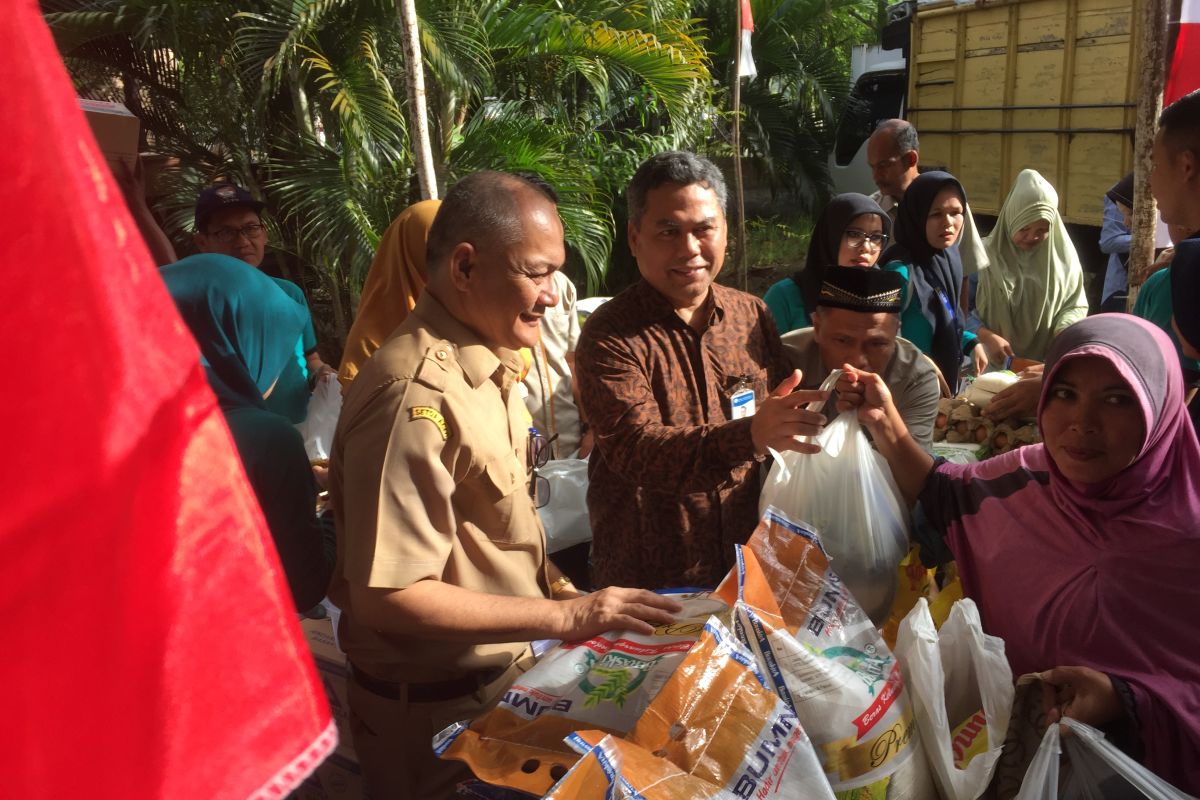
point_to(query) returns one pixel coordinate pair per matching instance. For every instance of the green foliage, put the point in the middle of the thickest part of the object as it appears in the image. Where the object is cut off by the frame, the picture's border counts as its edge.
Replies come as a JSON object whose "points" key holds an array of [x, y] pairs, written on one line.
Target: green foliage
{"points": [[775, 242], [304, 102]]}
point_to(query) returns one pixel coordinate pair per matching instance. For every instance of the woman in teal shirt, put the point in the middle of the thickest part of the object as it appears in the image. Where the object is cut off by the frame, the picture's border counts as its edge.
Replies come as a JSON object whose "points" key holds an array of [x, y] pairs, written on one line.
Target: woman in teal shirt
{"points": [[247, 328], [851, 232], [927, 228]]}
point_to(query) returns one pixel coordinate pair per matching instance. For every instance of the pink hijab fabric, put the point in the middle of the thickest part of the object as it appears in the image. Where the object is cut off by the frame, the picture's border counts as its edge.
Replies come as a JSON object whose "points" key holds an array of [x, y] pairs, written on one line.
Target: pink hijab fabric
{"points": [[1106, 575]]}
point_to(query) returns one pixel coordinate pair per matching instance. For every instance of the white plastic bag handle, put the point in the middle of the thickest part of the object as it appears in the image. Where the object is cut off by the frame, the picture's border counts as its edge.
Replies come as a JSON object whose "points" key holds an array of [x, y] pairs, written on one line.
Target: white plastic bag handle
{"points": [[1041, 779], [1095, 744], [1088, 744]]}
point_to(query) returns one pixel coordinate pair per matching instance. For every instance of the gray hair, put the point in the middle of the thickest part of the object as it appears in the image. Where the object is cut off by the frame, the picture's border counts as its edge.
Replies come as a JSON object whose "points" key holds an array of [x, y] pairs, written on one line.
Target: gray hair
{"points": [[904, 135], [484, 209], [672, 166]]}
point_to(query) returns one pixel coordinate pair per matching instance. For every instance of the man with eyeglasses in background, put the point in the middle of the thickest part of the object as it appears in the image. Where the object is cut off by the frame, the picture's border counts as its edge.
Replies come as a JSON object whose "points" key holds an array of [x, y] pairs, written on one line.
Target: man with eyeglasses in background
{"points": [[229, 222], [893, 155]]}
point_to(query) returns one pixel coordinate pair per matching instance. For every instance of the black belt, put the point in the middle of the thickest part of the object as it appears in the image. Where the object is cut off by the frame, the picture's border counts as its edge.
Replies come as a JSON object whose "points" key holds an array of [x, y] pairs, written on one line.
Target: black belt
{"points": [[432, 692]]}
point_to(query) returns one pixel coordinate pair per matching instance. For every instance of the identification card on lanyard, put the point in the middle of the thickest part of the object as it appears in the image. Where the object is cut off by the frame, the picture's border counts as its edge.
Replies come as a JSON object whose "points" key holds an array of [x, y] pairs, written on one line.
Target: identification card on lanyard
{"points": [[741, 399]]}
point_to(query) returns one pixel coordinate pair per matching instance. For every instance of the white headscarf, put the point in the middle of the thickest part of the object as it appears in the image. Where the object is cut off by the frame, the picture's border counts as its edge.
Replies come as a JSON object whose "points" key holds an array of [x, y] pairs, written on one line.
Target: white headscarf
{"points": [[1028, 296]]}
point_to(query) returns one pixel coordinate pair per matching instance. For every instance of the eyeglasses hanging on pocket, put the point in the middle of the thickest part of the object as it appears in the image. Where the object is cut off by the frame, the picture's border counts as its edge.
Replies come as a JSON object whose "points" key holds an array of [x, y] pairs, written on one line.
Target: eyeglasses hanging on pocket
{"points": [[538, 456]]}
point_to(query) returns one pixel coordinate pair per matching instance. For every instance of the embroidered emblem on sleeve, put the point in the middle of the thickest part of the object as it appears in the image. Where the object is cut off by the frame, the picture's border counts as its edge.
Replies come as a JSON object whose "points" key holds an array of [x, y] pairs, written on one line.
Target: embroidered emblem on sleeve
{"points": [[434, 416]]}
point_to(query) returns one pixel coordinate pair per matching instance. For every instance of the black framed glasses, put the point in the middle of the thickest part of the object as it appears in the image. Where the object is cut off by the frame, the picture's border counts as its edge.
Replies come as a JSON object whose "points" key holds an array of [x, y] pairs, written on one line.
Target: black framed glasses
{"points": [[539, 450], [252, 231], [857, 238]]}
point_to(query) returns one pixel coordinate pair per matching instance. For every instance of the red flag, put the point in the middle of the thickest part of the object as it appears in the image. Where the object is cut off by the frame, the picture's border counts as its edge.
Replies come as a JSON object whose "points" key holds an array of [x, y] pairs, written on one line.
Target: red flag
{"points": [[1184, 74], [150, 648], [746, 68]]}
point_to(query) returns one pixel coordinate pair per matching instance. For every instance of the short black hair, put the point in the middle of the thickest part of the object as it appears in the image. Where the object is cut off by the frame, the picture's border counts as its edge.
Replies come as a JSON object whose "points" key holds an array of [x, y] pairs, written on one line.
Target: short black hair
{"points": [[672, 166], [904, 135], [1180, 123], [482, 209]]}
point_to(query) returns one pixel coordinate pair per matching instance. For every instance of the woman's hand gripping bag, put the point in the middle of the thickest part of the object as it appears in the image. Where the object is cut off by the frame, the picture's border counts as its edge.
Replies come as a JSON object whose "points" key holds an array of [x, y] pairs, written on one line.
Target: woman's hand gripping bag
{"points": [[846, 492], [603, 683], [1094, 769], [962, 692], [828, 662]]}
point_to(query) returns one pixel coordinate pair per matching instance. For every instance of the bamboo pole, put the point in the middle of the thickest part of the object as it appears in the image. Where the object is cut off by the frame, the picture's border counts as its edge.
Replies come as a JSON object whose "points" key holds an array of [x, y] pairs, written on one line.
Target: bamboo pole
{"points": [[414, 83], [1152, 25], [739, 207]]}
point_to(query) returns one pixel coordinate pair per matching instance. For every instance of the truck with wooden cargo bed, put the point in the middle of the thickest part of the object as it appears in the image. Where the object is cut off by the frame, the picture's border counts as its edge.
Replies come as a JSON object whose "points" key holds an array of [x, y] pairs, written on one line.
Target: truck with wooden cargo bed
{"points": [[997, 86]]}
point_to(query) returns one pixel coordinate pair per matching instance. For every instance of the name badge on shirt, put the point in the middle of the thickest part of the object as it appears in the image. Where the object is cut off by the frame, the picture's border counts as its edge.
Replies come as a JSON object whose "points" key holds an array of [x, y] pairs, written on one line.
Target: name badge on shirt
{"points": [[741, 400]]}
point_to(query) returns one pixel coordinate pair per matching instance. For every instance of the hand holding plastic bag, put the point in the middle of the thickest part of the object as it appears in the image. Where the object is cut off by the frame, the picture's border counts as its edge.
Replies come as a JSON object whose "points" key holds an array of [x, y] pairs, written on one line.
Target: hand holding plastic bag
{"points": [[847, 493], [1095, 769], [324, 407], [962, 691]]}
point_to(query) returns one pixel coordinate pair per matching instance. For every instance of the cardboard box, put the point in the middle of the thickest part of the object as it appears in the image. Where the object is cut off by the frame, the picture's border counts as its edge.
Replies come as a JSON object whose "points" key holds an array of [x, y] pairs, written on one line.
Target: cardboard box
{"points": [[116, 130], [338, 777]]}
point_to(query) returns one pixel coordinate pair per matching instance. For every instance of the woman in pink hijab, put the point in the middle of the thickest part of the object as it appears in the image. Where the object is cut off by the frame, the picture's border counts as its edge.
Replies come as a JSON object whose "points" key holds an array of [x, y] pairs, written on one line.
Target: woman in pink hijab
{"points": [[1082, 553]]}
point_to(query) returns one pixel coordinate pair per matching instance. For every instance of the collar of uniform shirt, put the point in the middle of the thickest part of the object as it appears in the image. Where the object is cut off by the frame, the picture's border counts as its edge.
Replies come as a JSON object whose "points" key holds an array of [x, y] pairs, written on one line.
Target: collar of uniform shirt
{"points": [[476, 359]]}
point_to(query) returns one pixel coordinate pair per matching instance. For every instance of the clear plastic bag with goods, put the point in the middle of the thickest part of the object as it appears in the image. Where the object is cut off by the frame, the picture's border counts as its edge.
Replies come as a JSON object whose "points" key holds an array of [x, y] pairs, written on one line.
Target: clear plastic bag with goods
{"points": [[825, 659], [603, 683], [846, 492], [1093, 769], [961, 687], [717, 722], [565, 517], [324, 408]]}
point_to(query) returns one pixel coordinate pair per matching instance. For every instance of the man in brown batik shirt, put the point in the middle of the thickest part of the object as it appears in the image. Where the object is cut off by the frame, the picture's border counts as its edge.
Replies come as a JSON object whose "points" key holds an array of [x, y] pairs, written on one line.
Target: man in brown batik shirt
{"points": [[675, 378]]}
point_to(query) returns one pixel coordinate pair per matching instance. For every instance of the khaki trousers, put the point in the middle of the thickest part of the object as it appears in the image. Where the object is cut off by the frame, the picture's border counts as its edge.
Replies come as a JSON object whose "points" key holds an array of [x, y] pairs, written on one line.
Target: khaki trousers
{"points": [[393, 738]]}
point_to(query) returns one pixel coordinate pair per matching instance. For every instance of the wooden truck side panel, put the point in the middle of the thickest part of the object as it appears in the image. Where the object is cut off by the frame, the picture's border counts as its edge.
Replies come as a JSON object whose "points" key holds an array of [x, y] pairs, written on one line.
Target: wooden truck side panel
{"points": [[1045, 84]]}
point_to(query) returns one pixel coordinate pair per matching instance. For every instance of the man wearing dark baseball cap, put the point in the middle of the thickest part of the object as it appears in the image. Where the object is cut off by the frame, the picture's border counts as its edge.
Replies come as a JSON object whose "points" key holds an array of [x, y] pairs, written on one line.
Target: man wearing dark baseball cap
{"points": [[857, 322], [229, 222]]}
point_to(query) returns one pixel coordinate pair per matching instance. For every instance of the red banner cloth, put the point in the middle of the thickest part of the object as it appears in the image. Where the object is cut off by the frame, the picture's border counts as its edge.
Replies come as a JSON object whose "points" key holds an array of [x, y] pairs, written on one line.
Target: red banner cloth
{"points": [[149, 645], [1184, 74]]}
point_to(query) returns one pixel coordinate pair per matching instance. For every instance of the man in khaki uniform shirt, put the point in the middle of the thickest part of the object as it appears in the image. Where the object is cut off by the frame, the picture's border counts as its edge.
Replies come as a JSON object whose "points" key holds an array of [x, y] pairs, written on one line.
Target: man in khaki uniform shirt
{"points": [[442, 573]]}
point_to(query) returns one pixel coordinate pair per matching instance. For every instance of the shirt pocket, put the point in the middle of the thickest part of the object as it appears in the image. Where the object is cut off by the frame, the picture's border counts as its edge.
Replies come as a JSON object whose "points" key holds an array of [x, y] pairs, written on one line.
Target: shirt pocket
{"points": [[506, 491]]}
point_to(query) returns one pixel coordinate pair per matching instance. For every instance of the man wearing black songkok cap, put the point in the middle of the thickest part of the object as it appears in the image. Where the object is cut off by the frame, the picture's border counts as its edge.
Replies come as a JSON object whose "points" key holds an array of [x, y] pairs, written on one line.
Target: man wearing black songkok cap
{"points": [[857, 322]]}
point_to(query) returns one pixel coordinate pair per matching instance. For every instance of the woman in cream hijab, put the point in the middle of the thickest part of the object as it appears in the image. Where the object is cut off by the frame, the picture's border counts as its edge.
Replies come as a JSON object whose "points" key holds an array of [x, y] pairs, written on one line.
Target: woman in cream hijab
{"points": [[1033, 287], [396, 279]]}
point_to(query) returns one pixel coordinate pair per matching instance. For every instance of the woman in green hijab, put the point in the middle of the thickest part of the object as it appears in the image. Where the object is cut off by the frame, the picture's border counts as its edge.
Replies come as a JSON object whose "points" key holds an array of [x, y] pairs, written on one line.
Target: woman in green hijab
{"points": [[1033, 287], [247, 329]]}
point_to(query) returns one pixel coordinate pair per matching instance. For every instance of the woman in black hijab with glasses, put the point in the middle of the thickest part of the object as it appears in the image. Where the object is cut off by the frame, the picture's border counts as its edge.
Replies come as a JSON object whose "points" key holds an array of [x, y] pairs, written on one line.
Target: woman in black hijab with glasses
{"points": [[851, 232]]}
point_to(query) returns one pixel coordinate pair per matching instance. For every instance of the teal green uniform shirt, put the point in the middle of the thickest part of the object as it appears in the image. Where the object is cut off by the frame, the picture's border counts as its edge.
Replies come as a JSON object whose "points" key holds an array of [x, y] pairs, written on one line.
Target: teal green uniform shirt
{"points": [[913, 325], [786, 305], [1154, 305], [290, 396]]}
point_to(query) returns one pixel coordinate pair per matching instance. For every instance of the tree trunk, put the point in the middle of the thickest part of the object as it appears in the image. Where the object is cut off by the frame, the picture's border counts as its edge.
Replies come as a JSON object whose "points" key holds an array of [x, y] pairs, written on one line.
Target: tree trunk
{"points": [[414, 82], [1152, 24]]}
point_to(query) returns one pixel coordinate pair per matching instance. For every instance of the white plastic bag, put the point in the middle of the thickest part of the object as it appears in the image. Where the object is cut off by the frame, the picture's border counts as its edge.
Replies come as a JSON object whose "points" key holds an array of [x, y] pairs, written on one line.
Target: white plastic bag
{"points": [[324, 407], [962, 692], [1041, 779], [847, 494], [565, 517], [1096, 770]]}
